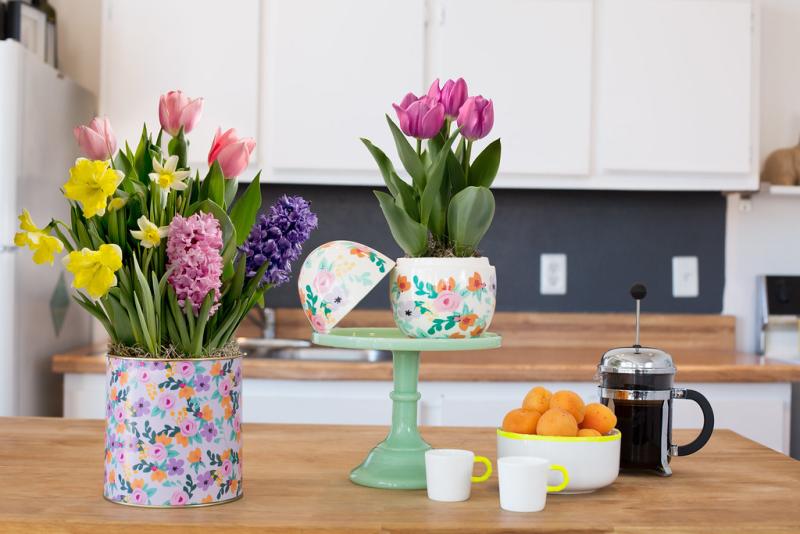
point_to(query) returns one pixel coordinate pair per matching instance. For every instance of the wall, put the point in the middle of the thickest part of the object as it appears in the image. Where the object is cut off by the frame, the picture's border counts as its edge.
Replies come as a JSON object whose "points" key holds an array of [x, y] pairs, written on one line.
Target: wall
{"points": [[611, 239], [79, 23], [764, 239]]}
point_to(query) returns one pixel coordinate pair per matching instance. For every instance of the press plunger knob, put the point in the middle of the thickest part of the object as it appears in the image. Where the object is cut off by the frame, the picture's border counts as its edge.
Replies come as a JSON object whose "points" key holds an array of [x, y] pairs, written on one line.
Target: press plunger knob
{"points": [[638, 291]]}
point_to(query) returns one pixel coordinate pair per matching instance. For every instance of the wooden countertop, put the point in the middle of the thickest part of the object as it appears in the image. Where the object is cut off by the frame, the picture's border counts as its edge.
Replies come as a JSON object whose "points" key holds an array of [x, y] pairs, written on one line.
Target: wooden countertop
{"points": [[296, 480], [512, 364]]}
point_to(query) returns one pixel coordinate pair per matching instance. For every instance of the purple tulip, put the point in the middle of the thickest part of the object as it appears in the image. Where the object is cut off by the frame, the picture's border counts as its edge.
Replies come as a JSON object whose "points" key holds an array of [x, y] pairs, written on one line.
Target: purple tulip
{"points": [[452, 95], [420, 117], [476, 118]]}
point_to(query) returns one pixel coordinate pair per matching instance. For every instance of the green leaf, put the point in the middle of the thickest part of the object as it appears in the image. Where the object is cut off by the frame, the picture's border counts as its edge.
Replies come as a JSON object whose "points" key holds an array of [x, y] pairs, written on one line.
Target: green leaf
{"points": [[404, 194], [177, 147], [231, 188], [431, 196], [455, 174], [408, 156], [484, 169], [142, 160], [469, 217], [119, 316], [408, 233], [245, 210], [228, 230], [200, 328], [213, 186]]}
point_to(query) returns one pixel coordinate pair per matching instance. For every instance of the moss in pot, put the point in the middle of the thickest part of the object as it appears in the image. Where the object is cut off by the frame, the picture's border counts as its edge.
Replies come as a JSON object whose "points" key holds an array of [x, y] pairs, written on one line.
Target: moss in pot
{"points": [[443, 288]]}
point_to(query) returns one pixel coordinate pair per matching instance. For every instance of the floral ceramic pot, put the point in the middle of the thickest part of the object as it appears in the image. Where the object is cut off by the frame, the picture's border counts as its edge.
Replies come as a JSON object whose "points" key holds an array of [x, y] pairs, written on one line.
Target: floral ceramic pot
{"points": [[443, 297], [173, 431], [335, 277]]}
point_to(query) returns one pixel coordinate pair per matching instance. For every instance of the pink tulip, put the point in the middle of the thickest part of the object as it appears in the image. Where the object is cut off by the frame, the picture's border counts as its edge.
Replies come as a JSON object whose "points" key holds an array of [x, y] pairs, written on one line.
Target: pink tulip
{"points": [[96, 140], [175, 109], [452, 95], [476, 118], [420, 117], [232, 153]]}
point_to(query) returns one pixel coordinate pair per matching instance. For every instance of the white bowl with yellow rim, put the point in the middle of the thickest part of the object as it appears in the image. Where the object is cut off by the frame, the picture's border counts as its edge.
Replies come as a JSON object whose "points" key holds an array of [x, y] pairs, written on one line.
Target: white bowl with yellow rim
{"points": [[592, 462]]}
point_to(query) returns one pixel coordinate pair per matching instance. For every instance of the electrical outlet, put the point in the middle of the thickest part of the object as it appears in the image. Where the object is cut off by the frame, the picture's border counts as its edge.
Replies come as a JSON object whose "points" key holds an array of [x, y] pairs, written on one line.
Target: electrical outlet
{"points": [[553, 274], [685, 277]]}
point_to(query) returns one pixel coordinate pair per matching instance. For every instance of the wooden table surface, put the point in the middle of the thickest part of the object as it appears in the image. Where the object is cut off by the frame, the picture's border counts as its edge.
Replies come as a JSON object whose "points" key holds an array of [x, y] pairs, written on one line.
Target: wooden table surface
{"points": [[296, 480], [512, 364]]}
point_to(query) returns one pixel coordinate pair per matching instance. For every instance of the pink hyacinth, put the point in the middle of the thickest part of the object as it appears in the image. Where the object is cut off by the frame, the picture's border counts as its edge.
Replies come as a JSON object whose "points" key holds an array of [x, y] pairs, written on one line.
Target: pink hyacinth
{"points": [[193, 250]]}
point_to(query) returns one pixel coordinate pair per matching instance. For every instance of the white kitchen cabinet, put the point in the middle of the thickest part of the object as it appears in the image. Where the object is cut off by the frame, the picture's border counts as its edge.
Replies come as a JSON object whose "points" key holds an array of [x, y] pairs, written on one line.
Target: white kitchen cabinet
{"points": [[675, 89], [534, 59], [761, 412], [331, 72], [202, 47]]}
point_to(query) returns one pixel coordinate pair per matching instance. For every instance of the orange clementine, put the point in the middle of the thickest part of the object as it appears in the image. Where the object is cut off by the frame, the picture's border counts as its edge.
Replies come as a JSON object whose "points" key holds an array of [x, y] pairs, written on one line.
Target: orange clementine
{"points": [[599, 417], [521, 421], [537, 399], [588, 433], [570, 402], [557, 422]]}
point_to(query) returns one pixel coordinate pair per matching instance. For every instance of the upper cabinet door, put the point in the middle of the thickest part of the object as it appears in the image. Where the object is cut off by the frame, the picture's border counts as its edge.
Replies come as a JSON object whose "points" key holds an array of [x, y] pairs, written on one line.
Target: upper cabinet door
{"points": [[533, 58], [332, 70], [148, 49], [674, 85]]}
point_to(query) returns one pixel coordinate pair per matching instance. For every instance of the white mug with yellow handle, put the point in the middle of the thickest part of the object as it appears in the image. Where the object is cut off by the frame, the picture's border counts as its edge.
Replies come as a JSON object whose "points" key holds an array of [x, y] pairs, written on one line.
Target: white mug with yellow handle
{"points": [[449, 473], [523, 482]]}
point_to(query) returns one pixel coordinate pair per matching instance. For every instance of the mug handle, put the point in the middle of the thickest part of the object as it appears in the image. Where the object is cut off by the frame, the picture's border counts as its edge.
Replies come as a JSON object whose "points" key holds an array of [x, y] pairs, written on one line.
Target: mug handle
{"points": [[565, 476], [708, 422], [485, 476]]}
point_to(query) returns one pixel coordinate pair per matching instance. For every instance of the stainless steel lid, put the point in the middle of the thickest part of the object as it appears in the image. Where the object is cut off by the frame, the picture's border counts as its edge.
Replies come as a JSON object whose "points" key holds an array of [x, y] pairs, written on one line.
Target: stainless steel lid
{"points": [[637, 360]]}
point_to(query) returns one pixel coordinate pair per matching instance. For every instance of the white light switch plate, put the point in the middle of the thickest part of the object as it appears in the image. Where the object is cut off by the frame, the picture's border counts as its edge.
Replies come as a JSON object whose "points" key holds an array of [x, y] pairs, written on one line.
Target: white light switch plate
{"points": [[685, 277], [553, 274]]}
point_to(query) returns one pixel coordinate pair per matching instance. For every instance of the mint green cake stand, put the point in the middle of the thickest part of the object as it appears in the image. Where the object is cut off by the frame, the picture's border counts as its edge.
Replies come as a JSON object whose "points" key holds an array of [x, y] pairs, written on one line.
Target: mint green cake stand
{"points": [[398, 462]]}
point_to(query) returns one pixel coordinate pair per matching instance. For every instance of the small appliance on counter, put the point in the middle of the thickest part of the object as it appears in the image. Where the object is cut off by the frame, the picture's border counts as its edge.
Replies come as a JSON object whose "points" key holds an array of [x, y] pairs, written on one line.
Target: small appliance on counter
{"points": [[636, 383], [778, 313]]}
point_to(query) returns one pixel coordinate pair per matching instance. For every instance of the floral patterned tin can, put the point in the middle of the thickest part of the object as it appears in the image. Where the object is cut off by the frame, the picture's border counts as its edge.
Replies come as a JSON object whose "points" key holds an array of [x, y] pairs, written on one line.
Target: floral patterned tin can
{"points": [[173, 431], [443, 297]]}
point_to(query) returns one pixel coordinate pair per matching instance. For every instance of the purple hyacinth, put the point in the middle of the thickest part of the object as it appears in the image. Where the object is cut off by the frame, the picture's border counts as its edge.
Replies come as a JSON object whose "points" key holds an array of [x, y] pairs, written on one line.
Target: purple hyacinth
{"points": [[278, 239]]}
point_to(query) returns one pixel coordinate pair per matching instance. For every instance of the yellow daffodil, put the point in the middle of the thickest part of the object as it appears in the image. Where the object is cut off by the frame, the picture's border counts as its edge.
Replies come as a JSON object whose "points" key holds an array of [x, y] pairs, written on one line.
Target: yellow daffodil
{"points": [[117, 203], [149, 234], [168, 177], [91, 183], [94, 269], [43, 245]]}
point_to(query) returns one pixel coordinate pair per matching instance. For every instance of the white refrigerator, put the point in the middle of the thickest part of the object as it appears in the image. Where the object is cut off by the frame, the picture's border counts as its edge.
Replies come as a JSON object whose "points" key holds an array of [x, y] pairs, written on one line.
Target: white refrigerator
{"points": [[38, 108]]}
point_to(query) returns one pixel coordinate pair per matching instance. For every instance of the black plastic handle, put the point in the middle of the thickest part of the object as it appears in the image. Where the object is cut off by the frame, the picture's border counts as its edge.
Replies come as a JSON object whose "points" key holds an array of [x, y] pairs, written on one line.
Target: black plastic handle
{"points": [[708, 421]]}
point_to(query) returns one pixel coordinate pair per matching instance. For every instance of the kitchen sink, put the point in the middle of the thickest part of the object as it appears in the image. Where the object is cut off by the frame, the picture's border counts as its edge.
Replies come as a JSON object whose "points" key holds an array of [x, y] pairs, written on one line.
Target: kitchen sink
{"points": [[300, 350]]}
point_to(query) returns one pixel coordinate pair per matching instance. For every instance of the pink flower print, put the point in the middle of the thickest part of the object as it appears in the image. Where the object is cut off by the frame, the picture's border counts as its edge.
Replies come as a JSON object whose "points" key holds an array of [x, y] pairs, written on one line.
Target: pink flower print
{"points": [[318, 323], [227, 468], [174, 467], [121, 455], [209, 431], [157, 452], [179, 498], [447, 301], [144, 376], [225, 387], [119, 414], [139, 497], [166, 401], [186, 370], [237, 424], [323, 282], [188, 428]]}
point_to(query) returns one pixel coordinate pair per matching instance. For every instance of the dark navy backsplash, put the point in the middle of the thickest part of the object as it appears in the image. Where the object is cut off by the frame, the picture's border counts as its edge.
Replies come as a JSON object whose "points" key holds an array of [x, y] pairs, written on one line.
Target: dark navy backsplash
{"points": [[612, 239]]}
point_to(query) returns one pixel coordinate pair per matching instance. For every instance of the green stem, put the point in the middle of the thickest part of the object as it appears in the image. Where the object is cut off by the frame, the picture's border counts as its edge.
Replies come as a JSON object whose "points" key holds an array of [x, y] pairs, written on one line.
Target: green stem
{"points": [[465, 163], [419, 147]]}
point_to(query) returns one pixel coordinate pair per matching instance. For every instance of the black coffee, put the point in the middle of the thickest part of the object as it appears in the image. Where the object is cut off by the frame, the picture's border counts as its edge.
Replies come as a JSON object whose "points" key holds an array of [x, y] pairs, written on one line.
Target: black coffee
{"points": [[645, 433]]}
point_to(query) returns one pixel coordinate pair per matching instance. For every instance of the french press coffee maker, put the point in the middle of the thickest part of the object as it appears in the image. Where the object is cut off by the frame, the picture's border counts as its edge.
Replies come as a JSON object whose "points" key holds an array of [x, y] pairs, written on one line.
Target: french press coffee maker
{"points": [[636, 384]]}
